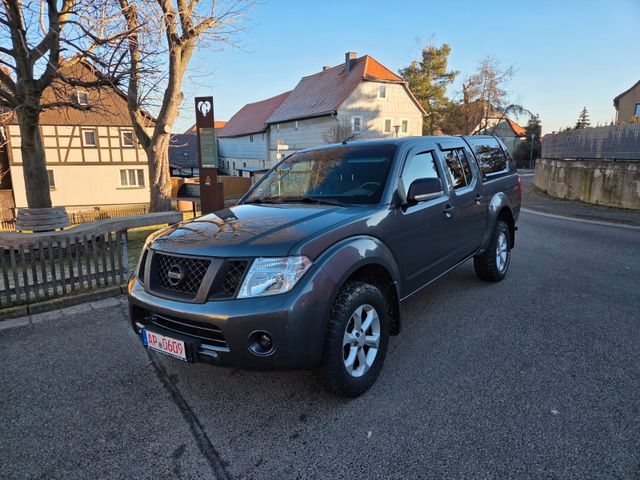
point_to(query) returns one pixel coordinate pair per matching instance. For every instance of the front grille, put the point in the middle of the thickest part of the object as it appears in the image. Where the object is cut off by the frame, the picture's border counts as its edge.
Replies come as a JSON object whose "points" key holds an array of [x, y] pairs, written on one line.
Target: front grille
{"points": [[205, 332], [193, 269], [235, 270]]}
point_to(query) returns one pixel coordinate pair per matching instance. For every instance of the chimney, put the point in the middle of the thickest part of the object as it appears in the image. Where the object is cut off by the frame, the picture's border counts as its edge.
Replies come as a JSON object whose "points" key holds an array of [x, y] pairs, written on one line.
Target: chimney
{"points": [[326, 67], [348, 58]]}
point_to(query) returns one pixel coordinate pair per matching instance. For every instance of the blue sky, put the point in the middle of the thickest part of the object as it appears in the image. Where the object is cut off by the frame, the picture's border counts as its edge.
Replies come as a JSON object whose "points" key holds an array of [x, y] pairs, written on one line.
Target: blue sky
{"points": [[567, 54]]}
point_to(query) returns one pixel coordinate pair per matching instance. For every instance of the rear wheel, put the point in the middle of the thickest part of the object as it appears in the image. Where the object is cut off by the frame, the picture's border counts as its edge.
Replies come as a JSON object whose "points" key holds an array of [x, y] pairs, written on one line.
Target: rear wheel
{"points": [[356, 340], [493, 263]]}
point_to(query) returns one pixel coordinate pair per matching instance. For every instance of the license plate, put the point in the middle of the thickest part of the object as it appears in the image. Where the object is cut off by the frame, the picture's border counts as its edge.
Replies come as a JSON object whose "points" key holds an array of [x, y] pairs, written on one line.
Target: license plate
{"points": [[167, 345]]}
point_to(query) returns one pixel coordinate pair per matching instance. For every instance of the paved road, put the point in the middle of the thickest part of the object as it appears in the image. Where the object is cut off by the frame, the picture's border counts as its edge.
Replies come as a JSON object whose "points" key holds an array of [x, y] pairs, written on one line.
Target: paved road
{"points": [[535, 377]]}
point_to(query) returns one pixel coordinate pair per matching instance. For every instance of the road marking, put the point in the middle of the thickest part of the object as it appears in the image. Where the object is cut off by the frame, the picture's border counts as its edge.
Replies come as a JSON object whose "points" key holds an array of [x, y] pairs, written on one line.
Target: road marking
{"points": [[581, 220]]}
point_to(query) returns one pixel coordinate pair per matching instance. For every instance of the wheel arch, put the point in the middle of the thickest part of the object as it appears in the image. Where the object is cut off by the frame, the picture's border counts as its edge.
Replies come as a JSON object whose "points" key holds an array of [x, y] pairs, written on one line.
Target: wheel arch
{"points": [[499, 209], [365, 259]]}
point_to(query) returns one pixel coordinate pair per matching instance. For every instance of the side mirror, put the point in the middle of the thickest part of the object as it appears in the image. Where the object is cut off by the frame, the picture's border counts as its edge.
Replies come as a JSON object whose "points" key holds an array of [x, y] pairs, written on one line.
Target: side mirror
{"points": [[424, 189]]}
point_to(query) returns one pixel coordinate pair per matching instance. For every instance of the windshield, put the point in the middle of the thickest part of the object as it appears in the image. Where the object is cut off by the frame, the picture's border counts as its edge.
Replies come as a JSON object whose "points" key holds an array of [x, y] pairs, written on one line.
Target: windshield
{"points": [[354, 175]]}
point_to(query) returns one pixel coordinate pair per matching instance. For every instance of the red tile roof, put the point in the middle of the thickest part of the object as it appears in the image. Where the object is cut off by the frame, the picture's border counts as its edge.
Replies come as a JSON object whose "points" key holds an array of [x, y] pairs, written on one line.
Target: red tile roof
{"points": [[517, 129], [324, 92], [216, 124], [252, 118]]}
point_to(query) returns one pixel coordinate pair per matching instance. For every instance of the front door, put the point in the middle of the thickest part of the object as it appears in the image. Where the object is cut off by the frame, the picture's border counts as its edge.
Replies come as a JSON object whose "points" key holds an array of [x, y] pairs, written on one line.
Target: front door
{"points": [[421, 235]]}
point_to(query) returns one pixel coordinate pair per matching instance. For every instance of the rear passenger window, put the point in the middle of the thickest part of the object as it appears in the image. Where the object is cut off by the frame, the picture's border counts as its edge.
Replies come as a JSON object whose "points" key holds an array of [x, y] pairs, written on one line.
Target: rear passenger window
{"points": [[458, 168], [490, 156], [421, 165]]}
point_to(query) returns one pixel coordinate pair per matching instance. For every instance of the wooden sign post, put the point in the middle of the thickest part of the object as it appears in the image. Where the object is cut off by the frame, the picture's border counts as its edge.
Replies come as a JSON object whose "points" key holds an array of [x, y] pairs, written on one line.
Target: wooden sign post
{"points": [[211, 196]]}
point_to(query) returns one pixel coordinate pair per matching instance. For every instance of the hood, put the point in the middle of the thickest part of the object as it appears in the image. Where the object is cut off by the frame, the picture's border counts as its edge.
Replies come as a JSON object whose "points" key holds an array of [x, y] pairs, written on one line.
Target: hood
{"points": [[250, 230]]}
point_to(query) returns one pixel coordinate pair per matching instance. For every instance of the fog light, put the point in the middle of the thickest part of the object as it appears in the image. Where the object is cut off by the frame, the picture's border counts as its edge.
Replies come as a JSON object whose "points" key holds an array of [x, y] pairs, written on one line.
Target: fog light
{"points": [[261, 343]]}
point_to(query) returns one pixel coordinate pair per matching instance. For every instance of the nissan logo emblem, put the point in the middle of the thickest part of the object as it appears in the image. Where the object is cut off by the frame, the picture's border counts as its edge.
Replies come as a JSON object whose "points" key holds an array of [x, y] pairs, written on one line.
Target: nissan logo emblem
{"points": [[176, 274]]}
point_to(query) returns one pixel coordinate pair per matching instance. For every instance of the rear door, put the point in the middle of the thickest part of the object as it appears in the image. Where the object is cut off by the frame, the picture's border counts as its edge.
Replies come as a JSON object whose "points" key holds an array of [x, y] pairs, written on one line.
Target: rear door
{"points": [[467, 198]]}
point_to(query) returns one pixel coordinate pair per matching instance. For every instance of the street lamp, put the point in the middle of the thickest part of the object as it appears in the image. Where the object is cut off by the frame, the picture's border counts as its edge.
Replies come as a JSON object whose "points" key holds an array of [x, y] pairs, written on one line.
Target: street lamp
{"points": [[533, 136]]}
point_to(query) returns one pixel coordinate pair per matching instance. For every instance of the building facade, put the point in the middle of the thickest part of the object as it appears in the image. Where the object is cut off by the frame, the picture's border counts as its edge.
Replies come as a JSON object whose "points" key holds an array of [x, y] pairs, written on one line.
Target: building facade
{"points": [[358, 99], [92, 156], [627, 104]]}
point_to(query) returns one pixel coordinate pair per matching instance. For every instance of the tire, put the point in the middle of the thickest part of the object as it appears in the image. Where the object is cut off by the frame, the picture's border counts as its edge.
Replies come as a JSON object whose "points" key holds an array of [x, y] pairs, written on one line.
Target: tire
{"points": [[334, 373], [493, 263]]}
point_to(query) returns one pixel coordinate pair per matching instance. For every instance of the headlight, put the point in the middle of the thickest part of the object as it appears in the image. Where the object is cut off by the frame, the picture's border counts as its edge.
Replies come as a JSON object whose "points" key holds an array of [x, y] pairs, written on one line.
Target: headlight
{"points": [[269, 276]]}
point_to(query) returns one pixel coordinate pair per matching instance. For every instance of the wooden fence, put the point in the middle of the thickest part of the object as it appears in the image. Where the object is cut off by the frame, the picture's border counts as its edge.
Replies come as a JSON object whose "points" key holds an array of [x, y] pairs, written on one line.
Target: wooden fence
{"points": [[40, 266]]}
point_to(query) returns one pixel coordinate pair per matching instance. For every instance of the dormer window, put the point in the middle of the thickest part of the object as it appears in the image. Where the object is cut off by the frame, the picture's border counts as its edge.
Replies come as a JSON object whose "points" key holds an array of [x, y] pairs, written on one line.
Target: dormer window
{"points": [[82, 98]]}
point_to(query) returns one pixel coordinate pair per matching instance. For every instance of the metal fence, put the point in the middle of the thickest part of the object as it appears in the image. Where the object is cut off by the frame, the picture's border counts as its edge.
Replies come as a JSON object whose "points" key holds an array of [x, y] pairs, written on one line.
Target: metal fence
{"points": [[616, 143]]}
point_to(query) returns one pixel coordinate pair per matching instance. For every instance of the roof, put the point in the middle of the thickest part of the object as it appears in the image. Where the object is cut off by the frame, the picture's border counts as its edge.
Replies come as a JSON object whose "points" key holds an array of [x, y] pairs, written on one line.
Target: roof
{"points": [[108, 103], [324, 92], [216, 124], [517, 129], [252, 118], [617, 99], [183, 150]]}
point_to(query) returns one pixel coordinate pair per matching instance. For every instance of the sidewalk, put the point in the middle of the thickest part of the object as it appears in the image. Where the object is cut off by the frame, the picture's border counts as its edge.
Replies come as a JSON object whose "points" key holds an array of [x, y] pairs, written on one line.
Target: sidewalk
{"points": [[534, 199]]}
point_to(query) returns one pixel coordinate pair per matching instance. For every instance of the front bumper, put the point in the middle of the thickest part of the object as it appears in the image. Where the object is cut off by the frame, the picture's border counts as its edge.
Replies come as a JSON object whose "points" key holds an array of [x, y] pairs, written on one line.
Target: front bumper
{"points": [[296, 321]]}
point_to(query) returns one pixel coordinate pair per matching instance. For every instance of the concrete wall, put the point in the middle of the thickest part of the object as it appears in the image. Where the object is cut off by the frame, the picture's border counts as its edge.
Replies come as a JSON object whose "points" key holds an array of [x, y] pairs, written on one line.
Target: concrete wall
{"points": [[614, 184]]}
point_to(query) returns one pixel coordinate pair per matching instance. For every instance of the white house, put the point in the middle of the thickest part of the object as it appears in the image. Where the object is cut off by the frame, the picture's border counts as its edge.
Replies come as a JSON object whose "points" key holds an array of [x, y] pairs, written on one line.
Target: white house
{"points": [[357, 99], [92, 156]]}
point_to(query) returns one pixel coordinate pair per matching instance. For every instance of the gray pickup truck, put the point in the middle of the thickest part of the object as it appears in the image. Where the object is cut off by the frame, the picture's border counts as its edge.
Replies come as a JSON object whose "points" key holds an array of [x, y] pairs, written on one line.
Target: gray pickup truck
{"points": [[310, 269]]}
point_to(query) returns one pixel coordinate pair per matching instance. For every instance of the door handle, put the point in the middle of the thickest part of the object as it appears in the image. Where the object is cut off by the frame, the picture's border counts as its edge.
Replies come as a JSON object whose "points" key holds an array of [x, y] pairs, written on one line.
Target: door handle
{"points": [[448, 211], [479, 198]]}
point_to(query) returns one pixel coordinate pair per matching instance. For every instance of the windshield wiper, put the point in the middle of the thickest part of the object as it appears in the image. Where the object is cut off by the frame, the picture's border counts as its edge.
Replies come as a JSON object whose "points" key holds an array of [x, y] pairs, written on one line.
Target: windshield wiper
{"points": [[316, 200], [264, 200]]}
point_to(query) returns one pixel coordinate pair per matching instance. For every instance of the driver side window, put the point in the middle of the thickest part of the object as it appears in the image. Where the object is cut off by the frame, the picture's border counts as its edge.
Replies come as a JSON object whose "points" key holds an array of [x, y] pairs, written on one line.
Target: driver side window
{"points": [[420, 165]]}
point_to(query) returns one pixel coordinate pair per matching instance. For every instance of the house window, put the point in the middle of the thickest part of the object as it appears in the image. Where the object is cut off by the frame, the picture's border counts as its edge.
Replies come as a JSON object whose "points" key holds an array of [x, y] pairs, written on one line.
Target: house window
{"points": [[356, 124], [82, 98], [277, 127], [89, 138], [636, 112], [52, 180], [387, 125], [244, 164], [251, 138], [132, 177], [382, 91], [127, 139], [296, 126], [404, 126]]}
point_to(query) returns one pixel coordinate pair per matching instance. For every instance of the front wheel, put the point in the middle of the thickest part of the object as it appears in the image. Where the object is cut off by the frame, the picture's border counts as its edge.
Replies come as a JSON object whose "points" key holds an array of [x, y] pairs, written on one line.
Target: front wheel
{"points": [[356, 340], [493, 263]]}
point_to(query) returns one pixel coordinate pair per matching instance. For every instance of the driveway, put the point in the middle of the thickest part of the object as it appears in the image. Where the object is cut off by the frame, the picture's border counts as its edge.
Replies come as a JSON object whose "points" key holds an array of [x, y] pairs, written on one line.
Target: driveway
{"points": [[534, 377]]}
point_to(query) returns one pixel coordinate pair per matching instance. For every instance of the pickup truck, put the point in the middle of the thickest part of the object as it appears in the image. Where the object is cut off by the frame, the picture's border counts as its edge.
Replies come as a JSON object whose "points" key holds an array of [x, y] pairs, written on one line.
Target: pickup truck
{"points": [[310, 270]]}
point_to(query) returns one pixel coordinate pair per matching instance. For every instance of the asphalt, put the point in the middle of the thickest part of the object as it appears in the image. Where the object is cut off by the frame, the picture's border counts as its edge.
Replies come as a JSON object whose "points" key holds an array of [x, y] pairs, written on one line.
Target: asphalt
{"points": [[534, 377]]}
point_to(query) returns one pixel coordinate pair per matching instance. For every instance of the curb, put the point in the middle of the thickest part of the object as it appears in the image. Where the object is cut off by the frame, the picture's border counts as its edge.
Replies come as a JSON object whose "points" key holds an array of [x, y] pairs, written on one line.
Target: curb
{"points": [[62, 302], [591, 221]]}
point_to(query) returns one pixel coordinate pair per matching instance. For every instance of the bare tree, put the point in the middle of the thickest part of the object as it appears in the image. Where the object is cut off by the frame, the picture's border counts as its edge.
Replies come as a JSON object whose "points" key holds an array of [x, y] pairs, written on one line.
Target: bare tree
{"points": [[165, 35], [484, 94], [342, 131], [34, 35]]}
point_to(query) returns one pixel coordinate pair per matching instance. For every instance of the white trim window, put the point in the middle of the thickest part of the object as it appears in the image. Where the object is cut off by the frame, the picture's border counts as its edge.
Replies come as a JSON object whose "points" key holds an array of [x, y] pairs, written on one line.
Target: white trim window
{"points": [[89, 138], [132, 178], [52, 180], [387, 125], [128, 139], [382, 91], [404, 126], [82, 97], [356, 124]]}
